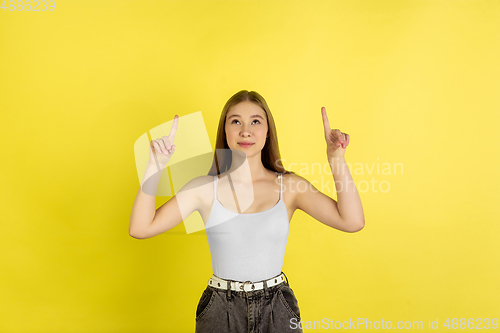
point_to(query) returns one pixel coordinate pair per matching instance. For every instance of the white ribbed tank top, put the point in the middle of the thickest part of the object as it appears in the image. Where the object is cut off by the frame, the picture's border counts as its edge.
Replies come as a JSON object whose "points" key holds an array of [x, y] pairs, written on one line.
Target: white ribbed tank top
{"points": [[247, 247]]}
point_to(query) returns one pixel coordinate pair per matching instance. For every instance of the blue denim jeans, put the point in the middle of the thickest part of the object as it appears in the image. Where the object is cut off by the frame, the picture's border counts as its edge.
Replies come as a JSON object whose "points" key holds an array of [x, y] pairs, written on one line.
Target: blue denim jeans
{"points": [[269, 310]]}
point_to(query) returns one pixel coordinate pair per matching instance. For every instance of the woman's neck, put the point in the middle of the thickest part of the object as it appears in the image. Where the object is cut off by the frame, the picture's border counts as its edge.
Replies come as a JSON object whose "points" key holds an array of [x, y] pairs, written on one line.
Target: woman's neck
{"points": [[247, 169]]}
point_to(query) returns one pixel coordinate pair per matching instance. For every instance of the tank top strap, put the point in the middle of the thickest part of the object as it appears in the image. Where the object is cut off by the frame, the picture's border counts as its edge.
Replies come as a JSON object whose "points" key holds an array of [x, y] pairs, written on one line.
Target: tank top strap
{"points": [[281, 184], [215, 187]]}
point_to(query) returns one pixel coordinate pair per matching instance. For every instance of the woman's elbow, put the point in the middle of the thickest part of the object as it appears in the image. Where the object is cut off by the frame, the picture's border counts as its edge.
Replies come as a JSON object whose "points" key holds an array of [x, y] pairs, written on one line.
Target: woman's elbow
{"points": [[357, 227]]}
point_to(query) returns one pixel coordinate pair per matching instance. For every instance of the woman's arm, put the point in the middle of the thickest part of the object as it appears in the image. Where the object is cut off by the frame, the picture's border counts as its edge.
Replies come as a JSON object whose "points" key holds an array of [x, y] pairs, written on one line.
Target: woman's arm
{"points": [[185, 202], [143, 209], [146, 222], [323, 208], [346, 215], [349, 202]]}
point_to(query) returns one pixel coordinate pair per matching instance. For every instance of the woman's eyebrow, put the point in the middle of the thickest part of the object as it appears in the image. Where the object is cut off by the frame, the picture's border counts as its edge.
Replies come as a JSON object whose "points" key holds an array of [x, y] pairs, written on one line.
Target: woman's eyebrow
{"points": [[254, 115]]}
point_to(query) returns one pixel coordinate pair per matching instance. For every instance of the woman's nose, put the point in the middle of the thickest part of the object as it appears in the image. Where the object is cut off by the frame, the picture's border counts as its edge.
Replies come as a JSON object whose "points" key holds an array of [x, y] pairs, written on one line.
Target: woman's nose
{"points": [[245, 131]]}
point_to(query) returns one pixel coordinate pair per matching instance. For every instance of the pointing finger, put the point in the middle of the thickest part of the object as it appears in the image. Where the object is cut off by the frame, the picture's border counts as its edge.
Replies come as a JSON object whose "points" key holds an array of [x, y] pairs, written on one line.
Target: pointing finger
{"points": [[173, 130], [326, 123]]}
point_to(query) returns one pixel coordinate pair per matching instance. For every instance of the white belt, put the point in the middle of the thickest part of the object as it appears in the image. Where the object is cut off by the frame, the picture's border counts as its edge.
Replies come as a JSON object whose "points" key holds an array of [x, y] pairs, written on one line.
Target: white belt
{"points": [[247, 286]]}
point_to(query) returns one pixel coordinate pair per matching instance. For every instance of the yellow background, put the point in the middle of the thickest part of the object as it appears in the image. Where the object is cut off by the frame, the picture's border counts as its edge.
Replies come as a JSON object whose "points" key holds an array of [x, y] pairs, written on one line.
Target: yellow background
{"points": [[412, 82]]}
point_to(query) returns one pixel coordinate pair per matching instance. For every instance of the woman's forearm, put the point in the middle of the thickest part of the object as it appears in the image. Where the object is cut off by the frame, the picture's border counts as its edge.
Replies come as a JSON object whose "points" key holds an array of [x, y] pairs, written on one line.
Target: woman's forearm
{"points": [[143, 210], [348, 200]]}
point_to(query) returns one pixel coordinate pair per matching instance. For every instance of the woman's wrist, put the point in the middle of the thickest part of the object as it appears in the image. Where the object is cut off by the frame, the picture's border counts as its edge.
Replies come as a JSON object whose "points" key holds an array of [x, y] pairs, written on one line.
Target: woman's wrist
{"points": [[336, 159]]}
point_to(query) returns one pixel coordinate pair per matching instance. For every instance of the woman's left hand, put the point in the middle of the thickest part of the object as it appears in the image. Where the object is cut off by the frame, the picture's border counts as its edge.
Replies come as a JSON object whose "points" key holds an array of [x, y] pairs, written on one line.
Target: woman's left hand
{"points": [[336, 141]]}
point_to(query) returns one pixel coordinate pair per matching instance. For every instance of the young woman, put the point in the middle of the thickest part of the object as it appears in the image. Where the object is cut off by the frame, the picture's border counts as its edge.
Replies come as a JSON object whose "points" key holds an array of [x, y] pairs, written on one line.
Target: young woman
{"points": [[246, 209]]}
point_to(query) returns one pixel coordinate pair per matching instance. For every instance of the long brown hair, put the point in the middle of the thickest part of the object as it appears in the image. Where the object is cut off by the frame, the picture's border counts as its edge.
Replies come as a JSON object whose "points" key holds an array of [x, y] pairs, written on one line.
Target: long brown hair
{"points": [[271, 158]]}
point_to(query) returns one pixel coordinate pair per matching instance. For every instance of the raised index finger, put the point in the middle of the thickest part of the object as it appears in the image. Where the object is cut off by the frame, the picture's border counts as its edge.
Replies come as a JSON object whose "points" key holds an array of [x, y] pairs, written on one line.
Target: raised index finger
{"points": [[325, 120], [173, 130]]}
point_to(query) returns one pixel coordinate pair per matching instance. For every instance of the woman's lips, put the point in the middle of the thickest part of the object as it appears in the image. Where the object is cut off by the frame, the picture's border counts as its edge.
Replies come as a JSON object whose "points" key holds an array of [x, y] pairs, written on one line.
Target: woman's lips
{"points": [[242, 144]]}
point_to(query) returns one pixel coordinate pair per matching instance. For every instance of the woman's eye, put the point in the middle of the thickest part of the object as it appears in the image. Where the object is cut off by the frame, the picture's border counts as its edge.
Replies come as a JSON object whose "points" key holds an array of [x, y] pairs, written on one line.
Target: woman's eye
{"points": [[238, 121]]}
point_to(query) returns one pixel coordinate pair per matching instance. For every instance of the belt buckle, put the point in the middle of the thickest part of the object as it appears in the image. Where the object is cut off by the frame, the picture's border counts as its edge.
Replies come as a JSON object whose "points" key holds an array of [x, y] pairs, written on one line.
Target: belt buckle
{"points": [[244, 283]]}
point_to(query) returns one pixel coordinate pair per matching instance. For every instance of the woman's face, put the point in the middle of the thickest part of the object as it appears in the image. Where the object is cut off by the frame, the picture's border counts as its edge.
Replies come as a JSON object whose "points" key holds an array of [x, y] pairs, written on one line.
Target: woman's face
{"points": [[246, 122]]}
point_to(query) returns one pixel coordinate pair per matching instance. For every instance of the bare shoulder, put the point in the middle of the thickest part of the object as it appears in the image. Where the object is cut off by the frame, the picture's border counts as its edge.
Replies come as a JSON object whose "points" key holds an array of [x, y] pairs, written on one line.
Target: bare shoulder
{"points": [[294, 180], [292, 185], [199, 182], [201, 188]]}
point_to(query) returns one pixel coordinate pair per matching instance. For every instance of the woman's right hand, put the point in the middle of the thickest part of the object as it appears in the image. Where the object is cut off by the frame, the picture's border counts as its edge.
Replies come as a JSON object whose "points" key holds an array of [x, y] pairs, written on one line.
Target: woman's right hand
{"points": [[162, 149]]}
